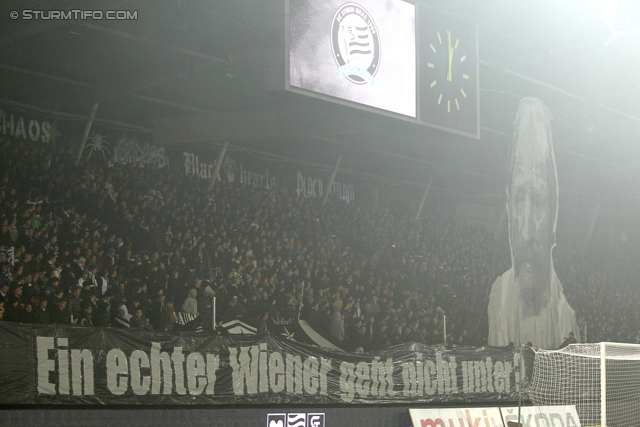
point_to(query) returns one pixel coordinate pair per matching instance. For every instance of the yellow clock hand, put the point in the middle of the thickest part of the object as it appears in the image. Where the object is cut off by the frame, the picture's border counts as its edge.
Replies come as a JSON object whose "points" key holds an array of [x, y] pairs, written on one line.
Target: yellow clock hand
{"points": [[449, 74]]}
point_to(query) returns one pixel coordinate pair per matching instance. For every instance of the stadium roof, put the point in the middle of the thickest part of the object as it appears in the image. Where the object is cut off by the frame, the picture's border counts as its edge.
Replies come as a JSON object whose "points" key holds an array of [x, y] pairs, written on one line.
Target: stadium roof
{"points": [[189, 57]]}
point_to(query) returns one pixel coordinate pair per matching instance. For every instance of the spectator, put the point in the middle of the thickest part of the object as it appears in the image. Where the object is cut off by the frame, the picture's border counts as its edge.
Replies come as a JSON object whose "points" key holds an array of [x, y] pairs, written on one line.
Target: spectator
{"points": [[168, 319], [235, 310], [190, 304], [30, 290], [42, 313], [220, 329], [86, 318], [380, 339], [263, 326], [571, 339], [362, 340], [75, 303], [337, 326], [28, 315], [59, 313], [4, 289], [156, 312], [139, 320], [123, 318], [119, 295], [102, 315], [15, 301]]}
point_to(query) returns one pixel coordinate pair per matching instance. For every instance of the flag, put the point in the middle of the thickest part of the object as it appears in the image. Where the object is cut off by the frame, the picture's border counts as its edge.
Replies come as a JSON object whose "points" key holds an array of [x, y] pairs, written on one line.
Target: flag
{"points": [[357, 42], [293, 330]]}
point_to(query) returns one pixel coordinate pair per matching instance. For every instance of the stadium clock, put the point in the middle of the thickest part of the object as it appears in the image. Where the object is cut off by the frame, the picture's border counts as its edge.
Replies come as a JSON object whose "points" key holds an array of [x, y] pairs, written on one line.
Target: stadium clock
{"points": [[451, 74], [449, 77]]}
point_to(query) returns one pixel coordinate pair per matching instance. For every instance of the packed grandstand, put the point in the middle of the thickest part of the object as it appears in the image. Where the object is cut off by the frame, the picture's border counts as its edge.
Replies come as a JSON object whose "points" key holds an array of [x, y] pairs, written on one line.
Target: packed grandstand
{"points": [[118, 245]]}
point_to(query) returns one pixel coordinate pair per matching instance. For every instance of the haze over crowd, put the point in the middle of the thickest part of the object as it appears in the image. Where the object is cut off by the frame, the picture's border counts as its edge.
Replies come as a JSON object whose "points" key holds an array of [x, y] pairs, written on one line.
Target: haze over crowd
{"points": [[123, 246]]}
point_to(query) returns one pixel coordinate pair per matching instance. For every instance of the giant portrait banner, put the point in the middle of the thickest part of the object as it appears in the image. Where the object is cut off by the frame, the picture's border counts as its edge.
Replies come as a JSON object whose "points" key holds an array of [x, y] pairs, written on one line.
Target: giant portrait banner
{"points": [[74, 365], [527, 303]]}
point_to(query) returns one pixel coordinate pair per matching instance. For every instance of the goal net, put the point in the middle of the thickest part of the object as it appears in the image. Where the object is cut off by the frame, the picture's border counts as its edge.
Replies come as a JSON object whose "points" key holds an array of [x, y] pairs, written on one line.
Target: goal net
{"points": [[601, 380]]}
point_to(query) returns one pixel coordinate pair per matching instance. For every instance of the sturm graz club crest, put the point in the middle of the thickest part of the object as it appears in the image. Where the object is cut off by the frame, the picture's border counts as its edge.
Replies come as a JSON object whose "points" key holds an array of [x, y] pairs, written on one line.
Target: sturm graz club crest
{"points": [[355, 43]]}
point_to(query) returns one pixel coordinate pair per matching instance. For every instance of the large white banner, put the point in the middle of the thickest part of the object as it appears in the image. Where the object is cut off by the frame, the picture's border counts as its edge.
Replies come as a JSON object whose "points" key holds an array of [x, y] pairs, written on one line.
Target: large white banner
{"points": [[527, 304]]}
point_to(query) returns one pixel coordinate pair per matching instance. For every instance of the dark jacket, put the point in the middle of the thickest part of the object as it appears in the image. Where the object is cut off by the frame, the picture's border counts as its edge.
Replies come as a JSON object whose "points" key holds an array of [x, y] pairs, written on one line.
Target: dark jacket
{"points": [[42, 316], [60, 317]]}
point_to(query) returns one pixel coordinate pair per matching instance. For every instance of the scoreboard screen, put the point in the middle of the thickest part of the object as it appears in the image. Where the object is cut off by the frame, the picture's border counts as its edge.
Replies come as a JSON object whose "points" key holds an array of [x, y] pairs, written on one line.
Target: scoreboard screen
{"points": [[361, 51]]}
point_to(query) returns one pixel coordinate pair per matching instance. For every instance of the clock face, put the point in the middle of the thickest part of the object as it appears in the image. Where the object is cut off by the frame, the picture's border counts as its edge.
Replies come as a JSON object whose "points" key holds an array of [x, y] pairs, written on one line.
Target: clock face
{"points": [[449, 78], [451, 71]]}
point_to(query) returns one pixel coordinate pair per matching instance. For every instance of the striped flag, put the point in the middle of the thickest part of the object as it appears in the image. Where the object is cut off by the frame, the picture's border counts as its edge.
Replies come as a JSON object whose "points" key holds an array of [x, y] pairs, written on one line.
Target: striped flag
{"points": [[357, 42], [10, 254]]}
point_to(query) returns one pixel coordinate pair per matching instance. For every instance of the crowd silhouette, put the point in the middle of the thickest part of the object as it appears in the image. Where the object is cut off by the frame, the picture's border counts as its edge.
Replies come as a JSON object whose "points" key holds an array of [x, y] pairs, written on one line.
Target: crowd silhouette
{"points": [[102, 244]]}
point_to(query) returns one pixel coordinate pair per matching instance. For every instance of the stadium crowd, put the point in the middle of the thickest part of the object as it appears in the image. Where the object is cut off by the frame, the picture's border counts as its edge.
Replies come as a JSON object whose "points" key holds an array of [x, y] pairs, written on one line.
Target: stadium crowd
{"points": [[104, 244]]}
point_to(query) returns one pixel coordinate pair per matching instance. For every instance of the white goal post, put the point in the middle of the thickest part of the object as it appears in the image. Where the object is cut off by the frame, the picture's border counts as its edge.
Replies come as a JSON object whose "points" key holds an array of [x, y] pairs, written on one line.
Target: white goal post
{"points": [[602, 380]]}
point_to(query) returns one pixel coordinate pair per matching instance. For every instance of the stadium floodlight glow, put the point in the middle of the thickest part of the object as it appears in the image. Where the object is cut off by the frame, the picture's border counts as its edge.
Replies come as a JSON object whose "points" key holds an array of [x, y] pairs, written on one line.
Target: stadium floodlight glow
{"points": [[619, 15]]}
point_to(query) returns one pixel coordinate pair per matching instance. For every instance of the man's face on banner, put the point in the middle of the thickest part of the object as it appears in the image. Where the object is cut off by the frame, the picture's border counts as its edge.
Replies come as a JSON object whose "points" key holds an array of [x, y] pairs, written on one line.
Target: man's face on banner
{"points": [[532, 210]]}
